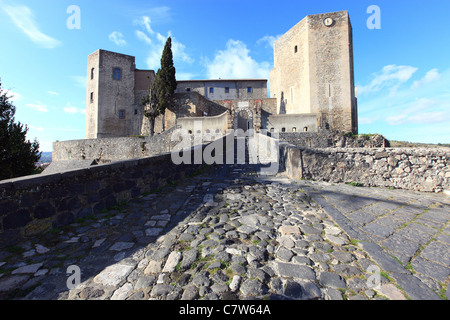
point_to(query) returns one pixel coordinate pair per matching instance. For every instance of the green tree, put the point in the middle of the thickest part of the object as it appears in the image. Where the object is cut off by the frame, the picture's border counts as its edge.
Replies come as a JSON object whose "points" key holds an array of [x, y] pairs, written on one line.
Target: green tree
{"points": [[151, 106], [18, 156], [165, 82]]}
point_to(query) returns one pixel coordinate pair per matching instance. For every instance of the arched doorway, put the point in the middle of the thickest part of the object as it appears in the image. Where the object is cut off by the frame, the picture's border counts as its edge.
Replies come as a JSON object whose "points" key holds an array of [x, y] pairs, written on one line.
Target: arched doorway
{"points": [[243, 119]]}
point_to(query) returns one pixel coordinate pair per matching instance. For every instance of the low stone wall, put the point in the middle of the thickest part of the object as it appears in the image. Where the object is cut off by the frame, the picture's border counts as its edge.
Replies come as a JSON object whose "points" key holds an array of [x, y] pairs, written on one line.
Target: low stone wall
{"points": [[34, 204], [330, 138], [402, 168], [113, 149], [212, 124]]}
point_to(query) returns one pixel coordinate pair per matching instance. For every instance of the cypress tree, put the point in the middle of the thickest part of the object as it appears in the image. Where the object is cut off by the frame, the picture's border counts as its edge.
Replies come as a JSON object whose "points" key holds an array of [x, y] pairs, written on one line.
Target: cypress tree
{"points": [[166, 82]]}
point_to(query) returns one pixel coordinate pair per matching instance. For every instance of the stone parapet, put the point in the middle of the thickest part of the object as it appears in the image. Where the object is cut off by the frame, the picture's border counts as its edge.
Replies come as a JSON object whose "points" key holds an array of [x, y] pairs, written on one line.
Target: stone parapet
{"points": [[401, 168], [35, 204]]}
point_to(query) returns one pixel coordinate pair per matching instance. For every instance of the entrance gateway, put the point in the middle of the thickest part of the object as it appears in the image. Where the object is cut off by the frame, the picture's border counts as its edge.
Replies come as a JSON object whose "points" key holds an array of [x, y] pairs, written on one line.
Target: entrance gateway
{"points": [[243, 117]]}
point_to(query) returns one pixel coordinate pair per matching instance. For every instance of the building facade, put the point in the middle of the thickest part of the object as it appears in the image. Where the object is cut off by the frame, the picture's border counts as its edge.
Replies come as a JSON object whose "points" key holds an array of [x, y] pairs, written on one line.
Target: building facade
{"points": [[113, 95], [313, 71], [243, 89], [311, 86]]}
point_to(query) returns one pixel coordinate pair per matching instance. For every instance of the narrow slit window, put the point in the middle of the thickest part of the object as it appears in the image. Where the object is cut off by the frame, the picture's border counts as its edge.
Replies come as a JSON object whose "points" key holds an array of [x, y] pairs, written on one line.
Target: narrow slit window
{"points": [[92, 97], [249, 89], [92, 73], [211, 90], [121, 114], [227, 90], [295, 49]]}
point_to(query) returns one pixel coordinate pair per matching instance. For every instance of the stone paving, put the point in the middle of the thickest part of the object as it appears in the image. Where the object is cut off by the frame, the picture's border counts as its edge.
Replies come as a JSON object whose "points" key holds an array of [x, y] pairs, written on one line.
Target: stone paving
{"points": [[230, 234]]}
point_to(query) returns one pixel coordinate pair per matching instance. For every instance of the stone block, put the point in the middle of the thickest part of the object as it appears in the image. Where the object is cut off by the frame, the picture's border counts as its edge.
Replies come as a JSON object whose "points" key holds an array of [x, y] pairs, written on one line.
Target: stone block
{"points": [[44, 210], [289, 230], [16, 219]]}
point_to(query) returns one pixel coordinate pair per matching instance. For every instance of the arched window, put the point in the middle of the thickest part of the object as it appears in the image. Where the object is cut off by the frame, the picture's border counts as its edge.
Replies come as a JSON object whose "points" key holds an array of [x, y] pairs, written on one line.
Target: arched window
{"points": [[283, 129], [117, 73], [294, 129], [305, 129], [92, 73]]}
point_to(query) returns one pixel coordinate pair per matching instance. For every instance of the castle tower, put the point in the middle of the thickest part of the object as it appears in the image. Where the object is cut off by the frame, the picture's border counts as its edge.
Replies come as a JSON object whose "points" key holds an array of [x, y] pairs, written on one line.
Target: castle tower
{"points": [[313, 71], [113, 94]]}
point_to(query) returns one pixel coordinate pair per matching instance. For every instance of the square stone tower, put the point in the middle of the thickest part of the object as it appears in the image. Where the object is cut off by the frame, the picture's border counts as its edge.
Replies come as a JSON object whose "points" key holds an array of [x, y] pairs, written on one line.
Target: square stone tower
{"points": [[313, 71], [113, 94]]}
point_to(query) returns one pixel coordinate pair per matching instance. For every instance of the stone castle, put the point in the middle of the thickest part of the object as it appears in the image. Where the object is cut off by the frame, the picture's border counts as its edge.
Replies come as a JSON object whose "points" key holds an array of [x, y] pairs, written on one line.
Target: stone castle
{"points": [[311, 87]]}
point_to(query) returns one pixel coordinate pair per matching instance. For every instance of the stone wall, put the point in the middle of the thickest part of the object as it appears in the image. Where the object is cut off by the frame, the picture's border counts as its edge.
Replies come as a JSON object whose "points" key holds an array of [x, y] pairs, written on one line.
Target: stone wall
{"points": [[402, 168], [113, 149], [292, 123], [205, 124], [332, 138], [35, 204]]}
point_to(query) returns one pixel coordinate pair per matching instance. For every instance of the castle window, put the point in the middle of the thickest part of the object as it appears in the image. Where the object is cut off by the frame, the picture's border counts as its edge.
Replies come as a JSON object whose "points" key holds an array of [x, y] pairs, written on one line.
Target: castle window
{"points": [[249, 89], [272, 129], [294, 129], [92, 73], [211, 90], [92, 97], [188, 89], [305, 129], [117, 74], [283, 129], [135, 111], [227, 90], [295, 49], [121, 114]]}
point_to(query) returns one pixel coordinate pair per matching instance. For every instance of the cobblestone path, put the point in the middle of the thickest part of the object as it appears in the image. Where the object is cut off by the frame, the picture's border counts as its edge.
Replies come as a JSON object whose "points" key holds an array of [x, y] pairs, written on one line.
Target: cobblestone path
{"points": [[230, 234]]}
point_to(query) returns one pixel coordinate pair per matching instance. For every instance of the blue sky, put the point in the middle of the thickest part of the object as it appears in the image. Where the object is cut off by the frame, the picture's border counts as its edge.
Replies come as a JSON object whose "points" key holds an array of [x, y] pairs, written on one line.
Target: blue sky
{"points": [[402, 70]]}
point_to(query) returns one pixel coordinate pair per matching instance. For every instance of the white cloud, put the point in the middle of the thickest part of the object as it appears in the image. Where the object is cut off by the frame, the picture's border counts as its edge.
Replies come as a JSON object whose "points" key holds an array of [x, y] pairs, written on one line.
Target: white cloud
{"points": [[185, 76], [13, 96], [118, 38], [23, 18], [396, 119], [145, 22], [268, 40], [39, 107], [430, 76], [80, 81], [235, 62], [143, 37], [157, 42], [36, 128], [73, 110], [391, 76], [367, 120], [422, 111], [53, 93]]}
